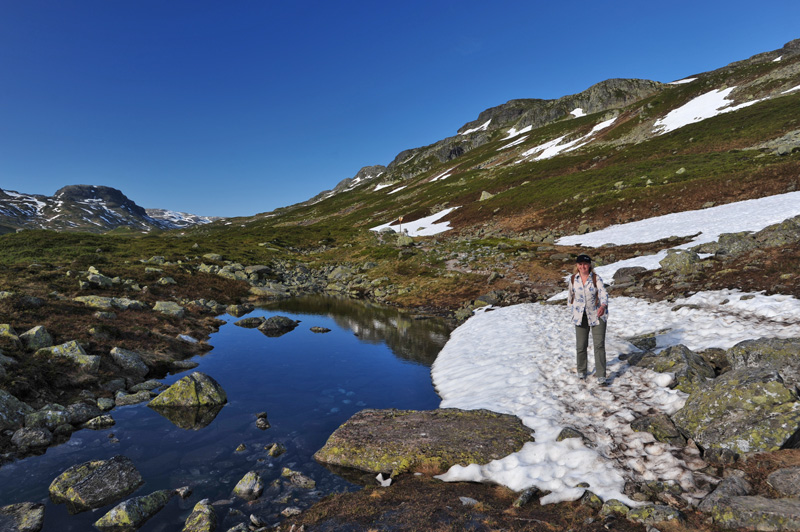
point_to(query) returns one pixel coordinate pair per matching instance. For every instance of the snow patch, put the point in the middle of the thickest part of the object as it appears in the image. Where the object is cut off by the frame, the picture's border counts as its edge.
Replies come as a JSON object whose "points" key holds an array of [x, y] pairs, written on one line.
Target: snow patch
{"points": [[705, 106], [578, 112], [483, 127], [427, 226]]}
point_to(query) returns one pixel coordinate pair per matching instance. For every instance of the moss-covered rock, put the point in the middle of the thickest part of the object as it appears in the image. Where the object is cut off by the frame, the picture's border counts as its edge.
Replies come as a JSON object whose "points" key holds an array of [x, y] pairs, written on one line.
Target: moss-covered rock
{"points": [[12, 411], [133, 513], [743, 411], [130, 362], [197, 389], [73, 352], [781, 354], [397, 441], [661, 427], [36, 338], [757, 513], [250, 487], [691, 370], [651, 514], [202, 519], [22, 517], [48, 417], [95, 483]]}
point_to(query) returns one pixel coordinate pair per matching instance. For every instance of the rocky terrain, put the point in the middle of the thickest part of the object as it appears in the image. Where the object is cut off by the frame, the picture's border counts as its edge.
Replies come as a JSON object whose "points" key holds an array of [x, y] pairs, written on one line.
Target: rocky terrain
{"points": [[92, 321]]}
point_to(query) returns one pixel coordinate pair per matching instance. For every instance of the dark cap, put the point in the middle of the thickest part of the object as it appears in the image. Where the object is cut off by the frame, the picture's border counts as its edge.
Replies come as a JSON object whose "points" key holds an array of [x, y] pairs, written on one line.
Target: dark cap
{"points": [[583, 258]]}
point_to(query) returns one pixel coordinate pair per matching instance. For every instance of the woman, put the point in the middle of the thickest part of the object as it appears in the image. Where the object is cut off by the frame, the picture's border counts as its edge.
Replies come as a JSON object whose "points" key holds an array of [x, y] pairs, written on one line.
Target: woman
{"points": [[588, 299]]}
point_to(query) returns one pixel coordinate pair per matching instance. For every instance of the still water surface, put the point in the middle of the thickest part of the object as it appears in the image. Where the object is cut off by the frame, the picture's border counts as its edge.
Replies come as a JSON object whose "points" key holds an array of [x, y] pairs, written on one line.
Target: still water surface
{"points": [[308, 383]]}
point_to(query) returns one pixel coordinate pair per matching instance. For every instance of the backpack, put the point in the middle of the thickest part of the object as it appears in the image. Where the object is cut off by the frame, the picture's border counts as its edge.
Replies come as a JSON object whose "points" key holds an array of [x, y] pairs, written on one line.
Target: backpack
{"points": [[594, 282]]}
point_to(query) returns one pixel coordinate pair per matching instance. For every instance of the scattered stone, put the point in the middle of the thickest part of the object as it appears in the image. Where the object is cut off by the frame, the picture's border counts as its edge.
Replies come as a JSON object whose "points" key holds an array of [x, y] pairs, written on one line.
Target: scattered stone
{"points": [[525, 497], [291, 511], [786, 481], [733, 486], [169, 308], [320, 329], [9, 338], [570, 432], [757, 513], [130, 362], [298, 479], [12, 411], [125, 399], [661, 427], [74, 353], [239, 310], [261, 421], [275, 449], [99, 423], [690, 369], [36, 338], [654, 514], [25, 439], [614, 507], [250, 323], [96, 483], [197, 389]]}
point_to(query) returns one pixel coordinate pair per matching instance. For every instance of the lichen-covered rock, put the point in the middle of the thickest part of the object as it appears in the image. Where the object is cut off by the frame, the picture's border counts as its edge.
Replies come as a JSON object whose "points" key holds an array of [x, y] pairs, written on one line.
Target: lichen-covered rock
{"points": [[757, 513], [133, 513], [691, 370], [661, 427], [786, 481], [12, 411], [682, 263], [26, 438], [298, 479], [250, 323], [250, 487], [277, 326], [202, 519], [130, 362], [743, 411], [170, 308], [395, 441], [781, 234], [239, 310], [49, 417], [125, 399], [9, 338], [22, 517], [651, 514], [781, 354], [99, 422], [73, 352], [109, 303], [95, 483], [36, 338], [197, 389], [614, 507]]}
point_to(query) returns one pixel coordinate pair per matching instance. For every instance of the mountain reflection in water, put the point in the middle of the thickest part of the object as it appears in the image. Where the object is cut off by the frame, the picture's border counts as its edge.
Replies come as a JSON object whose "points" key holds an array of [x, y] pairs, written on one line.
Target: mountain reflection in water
{"points": [[308, 384]]}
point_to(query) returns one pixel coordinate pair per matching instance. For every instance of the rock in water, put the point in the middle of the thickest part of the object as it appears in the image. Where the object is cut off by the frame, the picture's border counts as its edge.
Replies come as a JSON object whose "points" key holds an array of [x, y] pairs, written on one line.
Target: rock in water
{"points": [[133, 513], [22, 517], [197, 389], [96, 483], [277, 326]]}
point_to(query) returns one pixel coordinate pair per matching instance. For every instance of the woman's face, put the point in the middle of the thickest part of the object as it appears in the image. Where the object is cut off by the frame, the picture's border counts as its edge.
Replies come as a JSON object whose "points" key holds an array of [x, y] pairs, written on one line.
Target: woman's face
{"points": [[584, 267]]}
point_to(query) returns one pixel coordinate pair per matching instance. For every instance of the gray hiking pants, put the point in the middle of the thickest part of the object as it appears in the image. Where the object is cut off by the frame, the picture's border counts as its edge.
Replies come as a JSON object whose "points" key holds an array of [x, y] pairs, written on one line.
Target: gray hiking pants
{"points": [[599, 341]]}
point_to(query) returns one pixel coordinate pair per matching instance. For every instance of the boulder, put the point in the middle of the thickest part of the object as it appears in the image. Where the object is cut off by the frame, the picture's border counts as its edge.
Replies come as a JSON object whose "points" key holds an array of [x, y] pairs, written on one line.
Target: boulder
{"points": [[785, 233], [395, 441], [73, 352], [250, 323], [36, 338], [627, 275], [12, 411], [8, 337], [742, 411], [277, 326], [786, 481], [48, 417], [109, 303], [202, 519], [690, 369], [681, 263], [239, 310], [125, 399], [733, 486], [95, 483], [99, 422], [81, 412], [298, 479], [26, 438], [736, 243], [170, 308], [130, 362], [651, 514], [757, 513], [133, 513], [250, 487], [22, 517], [197, 389], [190, 417], [782, 355]]}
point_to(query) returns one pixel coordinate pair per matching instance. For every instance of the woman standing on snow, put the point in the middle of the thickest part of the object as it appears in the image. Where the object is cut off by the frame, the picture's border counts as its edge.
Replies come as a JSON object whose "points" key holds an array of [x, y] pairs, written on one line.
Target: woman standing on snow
{"points": [[588, 299]]}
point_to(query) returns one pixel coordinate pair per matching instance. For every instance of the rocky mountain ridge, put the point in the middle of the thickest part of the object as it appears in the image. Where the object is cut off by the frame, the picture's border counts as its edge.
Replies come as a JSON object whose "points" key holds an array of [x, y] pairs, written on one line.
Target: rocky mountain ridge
{"points": [[86, 208]]}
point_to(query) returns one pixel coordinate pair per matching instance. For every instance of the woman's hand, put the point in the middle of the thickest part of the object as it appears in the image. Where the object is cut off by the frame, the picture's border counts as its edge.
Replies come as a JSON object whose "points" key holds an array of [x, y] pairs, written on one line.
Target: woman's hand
{"points": [[601, 310]]}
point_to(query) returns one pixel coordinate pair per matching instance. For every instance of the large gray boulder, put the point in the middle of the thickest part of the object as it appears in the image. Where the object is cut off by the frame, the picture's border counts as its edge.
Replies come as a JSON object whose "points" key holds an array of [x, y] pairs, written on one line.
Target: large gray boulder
{"points": [[130, 362], [681, 263], [27, 439], [95, 483], [785, 233], [133, 513], [22, 517], [742, 411], [12, 411], [396, 441], [780, 354], [49, 417]]}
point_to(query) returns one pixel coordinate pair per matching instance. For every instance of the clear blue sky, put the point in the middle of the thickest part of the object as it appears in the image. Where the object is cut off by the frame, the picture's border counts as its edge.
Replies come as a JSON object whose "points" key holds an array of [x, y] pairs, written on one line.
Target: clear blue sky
{"points": [[235, 108]]}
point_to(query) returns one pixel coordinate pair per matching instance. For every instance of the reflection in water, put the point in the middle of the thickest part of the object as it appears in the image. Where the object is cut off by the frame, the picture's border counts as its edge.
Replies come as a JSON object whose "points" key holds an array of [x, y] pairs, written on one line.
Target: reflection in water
{"points": [[374, 323], [189, 417], [308, 383]]}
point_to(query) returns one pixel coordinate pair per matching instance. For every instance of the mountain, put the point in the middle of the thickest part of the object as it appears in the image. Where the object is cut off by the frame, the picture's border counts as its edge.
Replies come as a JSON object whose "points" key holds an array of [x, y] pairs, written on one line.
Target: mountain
{"points": [[85, 208], [622, 150]]}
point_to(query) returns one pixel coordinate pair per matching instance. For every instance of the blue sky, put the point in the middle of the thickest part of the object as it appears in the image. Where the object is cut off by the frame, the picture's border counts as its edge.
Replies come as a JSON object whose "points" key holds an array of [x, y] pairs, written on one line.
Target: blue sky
{"points": [[235, 108]]}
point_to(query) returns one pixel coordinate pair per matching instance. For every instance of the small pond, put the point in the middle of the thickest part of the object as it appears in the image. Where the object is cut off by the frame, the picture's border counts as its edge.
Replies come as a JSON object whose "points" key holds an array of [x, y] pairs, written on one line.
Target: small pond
{"points": [[308, 383]]}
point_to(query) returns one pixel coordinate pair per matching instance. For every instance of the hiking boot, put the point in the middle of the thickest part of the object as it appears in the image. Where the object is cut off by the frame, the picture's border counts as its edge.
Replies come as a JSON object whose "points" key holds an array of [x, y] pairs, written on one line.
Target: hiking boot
{"points": [[582, 376], [601, 381]]}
